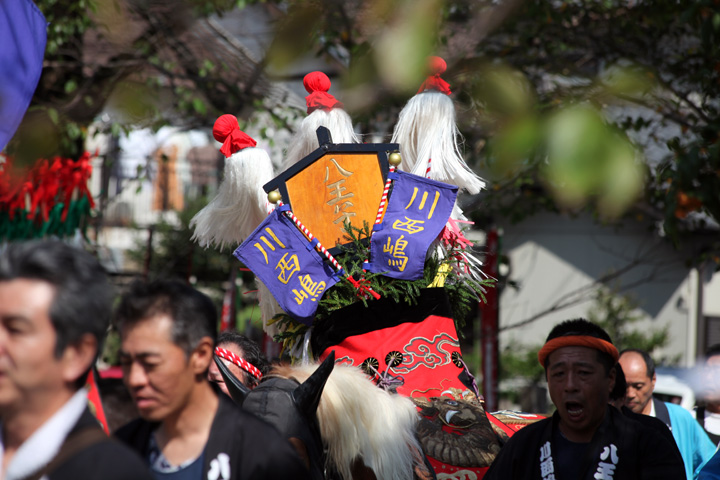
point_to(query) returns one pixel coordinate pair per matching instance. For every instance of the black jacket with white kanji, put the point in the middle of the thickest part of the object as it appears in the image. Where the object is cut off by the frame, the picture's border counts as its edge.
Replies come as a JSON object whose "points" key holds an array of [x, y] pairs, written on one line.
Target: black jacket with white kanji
{"points": [[621, 449], [240, 446]]}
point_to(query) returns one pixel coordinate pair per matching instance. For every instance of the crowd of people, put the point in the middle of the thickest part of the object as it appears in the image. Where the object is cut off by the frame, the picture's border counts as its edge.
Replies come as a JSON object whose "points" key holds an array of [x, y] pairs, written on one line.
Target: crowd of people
{"points": [[55, 308]]}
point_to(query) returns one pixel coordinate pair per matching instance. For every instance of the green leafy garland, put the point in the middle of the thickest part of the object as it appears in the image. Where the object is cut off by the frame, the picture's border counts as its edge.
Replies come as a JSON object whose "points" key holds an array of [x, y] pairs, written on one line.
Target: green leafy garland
{"points": [[462, 290]]}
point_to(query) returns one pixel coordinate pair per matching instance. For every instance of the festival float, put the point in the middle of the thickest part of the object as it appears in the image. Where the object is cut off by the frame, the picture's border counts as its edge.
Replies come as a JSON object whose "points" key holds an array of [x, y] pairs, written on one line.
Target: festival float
{"points": [[361, 257]]}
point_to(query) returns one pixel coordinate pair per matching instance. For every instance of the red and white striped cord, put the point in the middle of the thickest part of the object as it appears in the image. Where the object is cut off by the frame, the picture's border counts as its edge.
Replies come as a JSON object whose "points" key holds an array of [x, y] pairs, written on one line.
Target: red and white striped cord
{"points": [[318, 246], [383, 199], [383, 202], [240, 362], [378, 218], [427, 171]]}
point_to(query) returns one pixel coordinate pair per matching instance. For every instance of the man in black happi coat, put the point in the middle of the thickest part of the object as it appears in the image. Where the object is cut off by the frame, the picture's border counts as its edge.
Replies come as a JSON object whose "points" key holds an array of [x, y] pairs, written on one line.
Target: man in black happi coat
{"points": [[585, 439], [188, 430]]}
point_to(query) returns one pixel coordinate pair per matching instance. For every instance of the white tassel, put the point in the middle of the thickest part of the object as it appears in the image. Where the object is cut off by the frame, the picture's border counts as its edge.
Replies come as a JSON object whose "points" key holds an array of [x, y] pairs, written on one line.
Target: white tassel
{"points": [[240, 204], [305, 140], [268, 308], [427, 132], [238, 208]]}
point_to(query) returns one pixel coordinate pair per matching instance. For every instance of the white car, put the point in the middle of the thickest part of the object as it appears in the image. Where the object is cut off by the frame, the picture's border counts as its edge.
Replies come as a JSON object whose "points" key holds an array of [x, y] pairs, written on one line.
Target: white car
{"points": [[670, 388]]}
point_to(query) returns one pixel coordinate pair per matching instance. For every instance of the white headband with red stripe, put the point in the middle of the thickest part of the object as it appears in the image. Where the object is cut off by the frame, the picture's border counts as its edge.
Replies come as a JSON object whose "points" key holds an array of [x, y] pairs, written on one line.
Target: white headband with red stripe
{"points": [[240, 362]]}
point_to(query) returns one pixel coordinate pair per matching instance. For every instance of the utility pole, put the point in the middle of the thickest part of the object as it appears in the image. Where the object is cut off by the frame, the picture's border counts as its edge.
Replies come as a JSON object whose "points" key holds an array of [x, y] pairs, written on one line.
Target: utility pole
{"points": [[489, 325]]}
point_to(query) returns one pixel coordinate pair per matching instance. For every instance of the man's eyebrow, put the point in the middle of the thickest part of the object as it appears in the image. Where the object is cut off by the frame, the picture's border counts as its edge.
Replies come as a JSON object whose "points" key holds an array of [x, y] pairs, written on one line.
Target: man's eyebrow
{"points": [[557, 365], [140, 355], [572, 365], [15, 317]]}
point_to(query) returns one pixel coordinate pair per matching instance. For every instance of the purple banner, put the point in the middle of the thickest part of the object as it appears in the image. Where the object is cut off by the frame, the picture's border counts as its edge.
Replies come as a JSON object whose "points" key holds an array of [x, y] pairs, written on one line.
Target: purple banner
{"points": [[283, 259], [23, 33], [417, 211]]}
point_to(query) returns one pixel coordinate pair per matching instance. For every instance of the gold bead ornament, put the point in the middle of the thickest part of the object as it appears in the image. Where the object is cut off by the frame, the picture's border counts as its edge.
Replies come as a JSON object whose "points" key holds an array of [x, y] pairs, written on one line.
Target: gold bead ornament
{"points": [[394, 159], [274, 196]]}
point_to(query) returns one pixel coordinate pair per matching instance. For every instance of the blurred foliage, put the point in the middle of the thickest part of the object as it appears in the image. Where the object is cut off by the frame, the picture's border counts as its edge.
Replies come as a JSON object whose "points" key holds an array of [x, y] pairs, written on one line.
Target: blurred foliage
{"points": [[172, 255], [618, 315], [604, 106], [627, 97], [137, 63]]}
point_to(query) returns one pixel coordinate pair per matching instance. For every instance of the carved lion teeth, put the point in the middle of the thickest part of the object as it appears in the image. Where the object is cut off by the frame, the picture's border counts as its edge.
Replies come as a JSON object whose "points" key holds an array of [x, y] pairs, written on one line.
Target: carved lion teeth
{"points": [[449, 415]]}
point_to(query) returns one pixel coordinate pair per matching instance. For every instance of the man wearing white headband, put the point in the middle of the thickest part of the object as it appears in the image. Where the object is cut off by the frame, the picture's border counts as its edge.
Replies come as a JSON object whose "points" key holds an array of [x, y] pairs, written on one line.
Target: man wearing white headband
{"points": [[585, 438], [243, 358]]}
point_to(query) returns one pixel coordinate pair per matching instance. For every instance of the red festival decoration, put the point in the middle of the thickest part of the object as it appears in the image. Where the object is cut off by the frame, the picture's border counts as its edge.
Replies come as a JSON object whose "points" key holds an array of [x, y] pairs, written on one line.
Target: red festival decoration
{"points": [[94, 401], [50, 198]]}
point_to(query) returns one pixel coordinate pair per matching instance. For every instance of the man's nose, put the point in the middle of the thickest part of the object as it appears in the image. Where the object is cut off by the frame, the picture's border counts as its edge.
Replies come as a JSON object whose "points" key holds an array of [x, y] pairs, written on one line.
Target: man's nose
{"points": [[135, 376], [570, 382]]}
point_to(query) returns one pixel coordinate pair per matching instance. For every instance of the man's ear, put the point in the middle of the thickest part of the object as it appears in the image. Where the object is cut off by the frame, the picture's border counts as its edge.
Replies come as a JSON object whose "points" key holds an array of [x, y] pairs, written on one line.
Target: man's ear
{"points": [[612, 375], [202, 356], [79, 357], [654, 379]]}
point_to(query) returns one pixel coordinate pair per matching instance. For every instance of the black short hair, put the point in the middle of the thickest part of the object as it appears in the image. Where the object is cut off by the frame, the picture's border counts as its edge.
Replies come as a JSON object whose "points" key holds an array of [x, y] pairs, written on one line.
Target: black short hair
{"points": [[83, 297], [193, 314], [712, 351], [649, 362], [620, 389], [580, 326], [251, 350]]}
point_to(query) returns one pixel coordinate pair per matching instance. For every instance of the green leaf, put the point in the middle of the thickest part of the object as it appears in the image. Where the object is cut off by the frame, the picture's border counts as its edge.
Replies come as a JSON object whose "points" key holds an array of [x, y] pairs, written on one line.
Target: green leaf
{"points": [[70, 86], [199, 106]]}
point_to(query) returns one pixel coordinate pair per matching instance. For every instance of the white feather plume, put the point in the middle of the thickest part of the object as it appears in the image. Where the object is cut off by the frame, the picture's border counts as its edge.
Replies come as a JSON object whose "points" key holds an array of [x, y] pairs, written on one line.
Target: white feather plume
{"points": [[240, 204], [305, 140], [427, 131], [269, 307]]}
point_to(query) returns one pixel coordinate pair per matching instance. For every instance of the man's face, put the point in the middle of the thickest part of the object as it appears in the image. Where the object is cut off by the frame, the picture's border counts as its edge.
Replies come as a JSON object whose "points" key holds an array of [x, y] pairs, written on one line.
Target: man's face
{"points": [[639, 386], [158, 373], [580, 389], [29, 372], [214, 372]]}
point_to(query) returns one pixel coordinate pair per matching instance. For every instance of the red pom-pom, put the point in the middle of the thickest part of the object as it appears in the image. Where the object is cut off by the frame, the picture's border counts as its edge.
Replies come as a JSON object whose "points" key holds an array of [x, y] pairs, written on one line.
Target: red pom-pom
{"points": [[227, 130], [224, 126], [316, 82], [436, 65]]}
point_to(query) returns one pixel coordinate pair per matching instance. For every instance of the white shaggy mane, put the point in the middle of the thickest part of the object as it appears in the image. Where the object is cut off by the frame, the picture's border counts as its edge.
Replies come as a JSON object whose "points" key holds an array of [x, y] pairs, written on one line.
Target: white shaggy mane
{"points": [[360, 420], [305, 140], [240, 204], [426, 130]]}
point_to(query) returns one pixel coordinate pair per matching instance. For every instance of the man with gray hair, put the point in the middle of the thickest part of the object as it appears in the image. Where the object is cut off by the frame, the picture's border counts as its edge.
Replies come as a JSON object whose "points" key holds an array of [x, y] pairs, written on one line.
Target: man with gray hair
{"points": [[694, 444], [55, 305]]}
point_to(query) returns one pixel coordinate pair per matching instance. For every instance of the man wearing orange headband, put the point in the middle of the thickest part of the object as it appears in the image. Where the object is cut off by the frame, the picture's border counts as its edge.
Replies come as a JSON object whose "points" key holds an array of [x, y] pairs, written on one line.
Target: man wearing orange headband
{"points": [[585, 439]]}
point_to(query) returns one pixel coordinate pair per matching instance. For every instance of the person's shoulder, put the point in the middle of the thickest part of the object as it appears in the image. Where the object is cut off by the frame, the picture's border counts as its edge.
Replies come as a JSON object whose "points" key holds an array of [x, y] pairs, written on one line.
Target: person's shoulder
{"points": [[132, 429], [678, 409], [679, 413], [530, 430], [241, 421], [108, 459], [652, 422], [250, 437]]}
